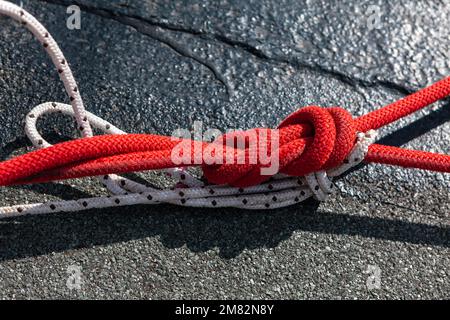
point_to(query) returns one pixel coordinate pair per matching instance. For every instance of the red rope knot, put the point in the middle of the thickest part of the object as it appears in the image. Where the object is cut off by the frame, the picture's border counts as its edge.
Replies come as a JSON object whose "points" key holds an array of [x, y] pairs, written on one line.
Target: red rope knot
{"points": [[309, 142], [313, 142]]}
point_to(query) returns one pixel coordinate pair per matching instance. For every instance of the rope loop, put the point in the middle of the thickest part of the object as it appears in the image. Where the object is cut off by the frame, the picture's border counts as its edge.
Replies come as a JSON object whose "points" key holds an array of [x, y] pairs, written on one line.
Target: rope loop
{"points": [[271, 168], [309, 140]]}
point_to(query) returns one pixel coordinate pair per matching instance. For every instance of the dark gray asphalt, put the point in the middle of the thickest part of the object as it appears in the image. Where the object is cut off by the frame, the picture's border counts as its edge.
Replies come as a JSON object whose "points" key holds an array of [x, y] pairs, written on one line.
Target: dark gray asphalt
{"points": [[154, 66]]}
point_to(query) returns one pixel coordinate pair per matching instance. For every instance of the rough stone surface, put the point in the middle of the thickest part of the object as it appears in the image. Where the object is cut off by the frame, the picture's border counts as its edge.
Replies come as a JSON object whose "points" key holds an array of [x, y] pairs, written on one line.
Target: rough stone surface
{"points": [[154, 66]]}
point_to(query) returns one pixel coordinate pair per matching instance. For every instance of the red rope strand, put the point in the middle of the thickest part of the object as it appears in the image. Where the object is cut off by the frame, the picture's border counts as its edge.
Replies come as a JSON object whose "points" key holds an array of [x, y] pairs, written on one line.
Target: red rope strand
{"points": [[310, 139]]}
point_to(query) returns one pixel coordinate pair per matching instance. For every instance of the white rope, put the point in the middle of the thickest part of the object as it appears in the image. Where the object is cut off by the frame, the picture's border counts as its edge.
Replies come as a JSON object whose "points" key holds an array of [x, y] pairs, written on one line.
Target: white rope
{"points": [[281, 191]]}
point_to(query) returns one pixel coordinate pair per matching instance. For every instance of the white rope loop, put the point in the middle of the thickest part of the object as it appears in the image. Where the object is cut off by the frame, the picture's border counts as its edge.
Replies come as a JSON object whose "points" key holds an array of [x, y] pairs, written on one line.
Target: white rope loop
{"points": [[57, 57], [281, 191]]}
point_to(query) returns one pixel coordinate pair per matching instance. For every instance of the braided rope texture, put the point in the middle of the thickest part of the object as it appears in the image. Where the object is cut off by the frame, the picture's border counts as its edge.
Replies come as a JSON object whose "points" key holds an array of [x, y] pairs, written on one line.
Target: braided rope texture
{"points": [[313, 144]]}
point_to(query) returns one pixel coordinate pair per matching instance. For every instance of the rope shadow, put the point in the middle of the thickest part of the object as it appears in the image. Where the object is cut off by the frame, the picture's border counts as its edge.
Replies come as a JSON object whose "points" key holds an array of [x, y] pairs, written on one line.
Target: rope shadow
{"points": [[229, 230], [410, 132], [417, 128]]}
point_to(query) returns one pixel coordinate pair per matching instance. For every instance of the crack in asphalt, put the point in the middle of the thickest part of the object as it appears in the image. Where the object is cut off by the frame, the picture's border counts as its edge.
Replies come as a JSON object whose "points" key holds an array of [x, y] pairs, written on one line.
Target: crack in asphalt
{"points": [[149, 27], [154, 31], [404, 207]]}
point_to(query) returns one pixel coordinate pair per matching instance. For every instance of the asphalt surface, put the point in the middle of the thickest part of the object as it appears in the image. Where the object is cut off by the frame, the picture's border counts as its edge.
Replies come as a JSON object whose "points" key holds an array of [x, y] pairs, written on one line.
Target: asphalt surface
{"points": [[154, 66]]}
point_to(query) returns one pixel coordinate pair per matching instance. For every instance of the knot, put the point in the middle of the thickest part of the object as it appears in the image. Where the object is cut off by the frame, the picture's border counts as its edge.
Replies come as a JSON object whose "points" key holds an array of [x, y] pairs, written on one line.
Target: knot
{"points": [[312, 142], [321, 183], [312, 139]]}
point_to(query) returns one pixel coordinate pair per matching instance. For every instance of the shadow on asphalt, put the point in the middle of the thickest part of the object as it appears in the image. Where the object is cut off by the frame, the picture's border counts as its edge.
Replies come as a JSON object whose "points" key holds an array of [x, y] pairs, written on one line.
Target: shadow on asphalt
{"points": [[229, 230], [417, 128]]}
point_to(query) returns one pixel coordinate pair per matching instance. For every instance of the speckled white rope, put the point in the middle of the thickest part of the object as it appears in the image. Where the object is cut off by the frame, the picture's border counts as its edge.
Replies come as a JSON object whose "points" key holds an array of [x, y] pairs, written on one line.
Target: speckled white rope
{"points": [[77, 108], [281, 191]]}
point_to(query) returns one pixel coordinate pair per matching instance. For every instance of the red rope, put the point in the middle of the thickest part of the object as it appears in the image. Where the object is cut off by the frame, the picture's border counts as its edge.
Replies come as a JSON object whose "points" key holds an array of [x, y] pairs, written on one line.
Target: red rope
{"points": [[310, 139]]}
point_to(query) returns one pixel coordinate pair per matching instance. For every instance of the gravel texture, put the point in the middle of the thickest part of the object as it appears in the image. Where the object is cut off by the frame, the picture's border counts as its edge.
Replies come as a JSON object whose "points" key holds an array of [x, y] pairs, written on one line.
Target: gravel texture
{"points": [[154, 66]]}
